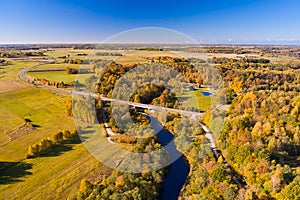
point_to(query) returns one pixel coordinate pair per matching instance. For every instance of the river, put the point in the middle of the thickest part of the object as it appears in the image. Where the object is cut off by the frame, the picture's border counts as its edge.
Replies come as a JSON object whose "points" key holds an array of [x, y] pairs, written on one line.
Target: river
{"points": [[178, 171]]}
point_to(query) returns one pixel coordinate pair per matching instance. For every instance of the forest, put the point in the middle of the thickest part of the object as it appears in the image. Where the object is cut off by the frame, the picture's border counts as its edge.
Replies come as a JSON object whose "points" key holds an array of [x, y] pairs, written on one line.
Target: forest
{"points": [[259, 138]]}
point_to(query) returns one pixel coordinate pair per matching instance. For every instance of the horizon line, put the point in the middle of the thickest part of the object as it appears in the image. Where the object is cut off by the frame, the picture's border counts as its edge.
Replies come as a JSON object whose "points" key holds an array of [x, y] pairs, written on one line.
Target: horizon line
{"points": [[254, 43]]}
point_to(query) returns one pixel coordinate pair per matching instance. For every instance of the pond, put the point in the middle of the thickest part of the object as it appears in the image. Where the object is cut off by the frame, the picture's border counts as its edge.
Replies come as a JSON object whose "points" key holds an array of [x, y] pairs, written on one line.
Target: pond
{"points": [[207, 94]]}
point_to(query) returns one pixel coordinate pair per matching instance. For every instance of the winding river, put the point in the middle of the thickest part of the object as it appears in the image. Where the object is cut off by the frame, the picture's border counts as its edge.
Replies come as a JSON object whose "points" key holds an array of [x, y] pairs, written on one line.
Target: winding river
{"points": [[178, 171]]}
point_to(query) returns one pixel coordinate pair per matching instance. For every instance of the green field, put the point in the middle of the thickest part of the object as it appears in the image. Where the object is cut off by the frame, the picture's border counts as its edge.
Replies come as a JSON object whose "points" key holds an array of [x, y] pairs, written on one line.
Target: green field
{"points": [[195, 99], [10, 72], [56, 177], [59, 76], [42, 107], [51, 177]]}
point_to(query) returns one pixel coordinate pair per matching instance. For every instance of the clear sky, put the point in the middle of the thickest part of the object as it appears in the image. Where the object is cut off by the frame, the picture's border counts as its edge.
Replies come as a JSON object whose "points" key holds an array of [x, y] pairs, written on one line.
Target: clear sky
{"points": [[207, 21]]}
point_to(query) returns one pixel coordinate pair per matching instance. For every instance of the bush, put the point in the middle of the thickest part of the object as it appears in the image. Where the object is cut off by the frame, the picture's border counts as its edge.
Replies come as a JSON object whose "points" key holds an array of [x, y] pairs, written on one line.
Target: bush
{"points": [[57, 138], [66, 134]]}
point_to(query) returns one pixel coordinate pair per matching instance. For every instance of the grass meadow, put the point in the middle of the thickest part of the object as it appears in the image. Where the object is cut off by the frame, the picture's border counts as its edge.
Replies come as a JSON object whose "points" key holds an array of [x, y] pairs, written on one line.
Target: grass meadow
{"points": [[10, 72], [142, 56], [195, 99], [56, 176], [59, 76], [42, 107]]}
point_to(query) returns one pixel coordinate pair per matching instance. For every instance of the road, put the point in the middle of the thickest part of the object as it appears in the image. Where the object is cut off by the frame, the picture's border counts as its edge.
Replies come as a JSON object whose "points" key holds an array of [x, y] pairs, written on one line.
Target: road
{"points": [[208, 135], [23, 76], [217, 153], [150, 107]]}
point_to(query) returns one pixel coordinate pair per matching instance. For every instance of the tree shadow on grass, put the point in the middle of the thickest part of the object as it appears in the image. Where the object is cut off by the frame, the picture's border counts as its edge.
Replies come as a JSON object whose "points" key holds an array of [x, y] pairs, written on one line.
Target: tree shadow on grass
{"points": [[59, 149], [11, 172], [36, 126], [82, 137], [74, 140], [182, 99]]}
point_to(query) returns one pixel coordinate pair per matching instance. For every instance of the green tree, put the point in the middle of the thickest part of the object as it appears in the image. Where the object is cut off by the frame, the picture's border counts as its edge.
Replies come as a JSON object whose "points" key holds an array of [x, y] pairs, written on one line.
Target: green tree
{"points": [[219, 174]]}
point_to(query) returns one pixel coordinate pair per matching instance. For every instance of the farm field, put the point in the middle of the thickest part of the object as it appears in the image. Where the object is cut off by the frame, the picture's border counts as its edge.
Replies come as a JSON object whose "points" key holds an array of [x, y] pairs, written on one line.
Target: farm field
{"points": [[57, 176], [142, 56], [58, 53], [49, 72], [10, 72], [58, 66], [42, 107], [54, 177], [59, 76]]}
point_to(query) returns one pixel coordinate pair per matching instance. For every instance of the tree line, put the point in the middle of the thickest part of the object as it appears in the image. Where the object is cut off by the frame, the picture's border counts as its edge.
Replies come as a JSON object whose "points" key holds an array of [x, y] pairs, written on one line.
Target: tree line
{"points": [[108, 54], [51, 83], [44, 146], [20, 54]]}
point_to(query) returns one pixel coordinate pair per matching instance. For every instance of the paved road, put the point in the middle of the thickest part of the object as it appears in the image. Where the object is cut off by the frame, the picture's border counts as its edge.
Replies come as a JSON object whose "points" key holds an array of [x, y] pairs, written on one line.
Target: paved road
{"points": [[24, 70], [139, 105], [209, 136], [108, 130], [151, 107]]}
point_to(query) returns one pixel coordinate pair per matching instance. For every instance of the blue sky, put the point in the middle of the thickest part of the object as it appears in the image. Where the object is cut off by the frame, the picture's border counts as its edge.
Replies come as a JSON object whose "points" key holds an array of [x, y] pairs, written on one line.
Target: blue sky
{"points": [[207, 21]]}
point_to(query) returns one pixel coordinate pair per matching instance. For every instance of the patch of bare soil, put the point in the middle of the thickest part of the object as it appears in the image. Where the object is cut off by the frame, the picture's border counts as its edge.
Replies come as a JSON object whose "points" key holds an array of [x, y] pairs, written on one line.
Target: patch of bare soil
{"points": [[18, 132]]}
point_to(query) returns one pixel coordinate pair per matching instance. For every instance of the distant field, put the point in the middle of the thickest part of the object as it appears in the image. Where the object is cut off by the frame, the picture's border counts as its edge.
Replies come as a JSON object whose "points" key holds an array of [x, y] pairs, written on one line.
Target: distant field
{"points": [[142, 55], [58, 66], [280, 59], [10, 72], [60, 52], [42, 107], [186, 55]]}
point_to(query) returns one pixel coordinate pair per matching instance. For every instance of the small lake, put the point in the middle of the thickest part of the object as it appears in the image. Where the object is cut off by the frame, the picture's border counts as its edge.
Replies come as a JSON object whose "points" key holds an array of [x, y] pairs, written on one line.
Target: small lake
{"points": [[178, 171], [207, 94]]}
